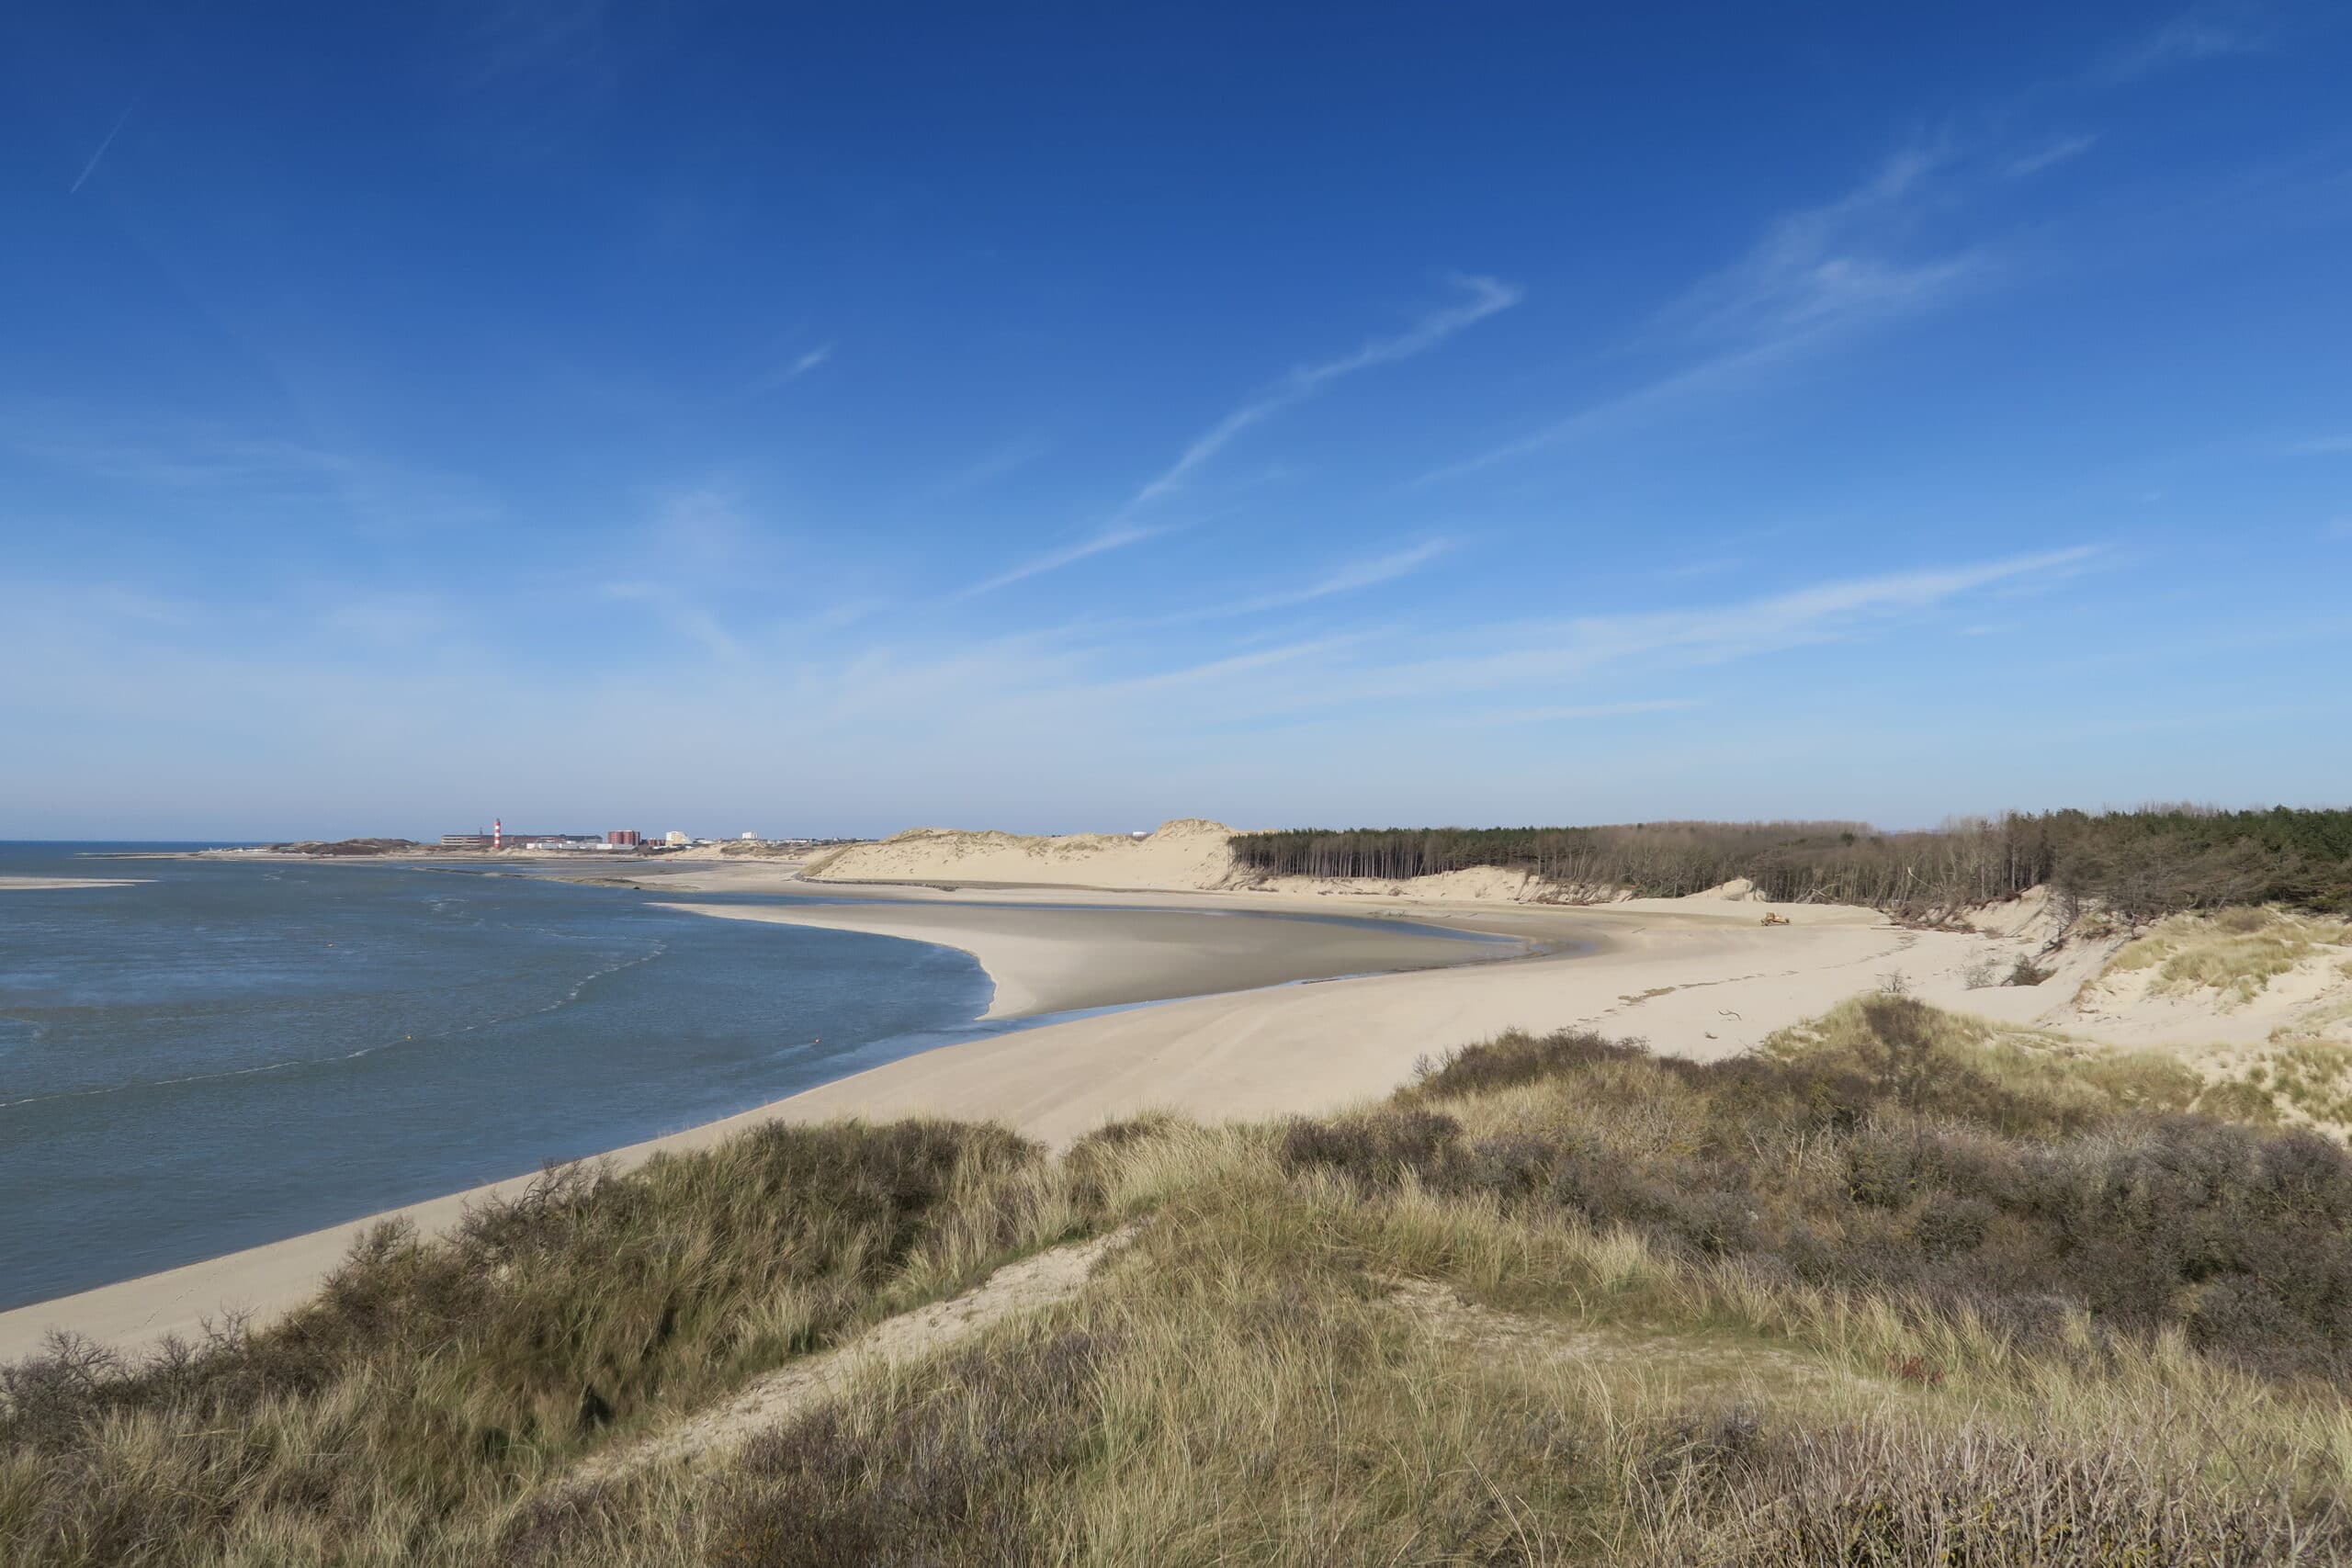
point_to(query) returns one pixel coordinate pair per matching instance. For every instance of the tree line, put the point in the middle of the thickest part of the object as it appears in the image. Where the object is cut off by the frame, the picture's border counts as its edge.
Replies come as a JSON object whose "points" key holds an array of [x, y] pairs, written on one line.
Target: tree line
{"points": [[2141, 864]]}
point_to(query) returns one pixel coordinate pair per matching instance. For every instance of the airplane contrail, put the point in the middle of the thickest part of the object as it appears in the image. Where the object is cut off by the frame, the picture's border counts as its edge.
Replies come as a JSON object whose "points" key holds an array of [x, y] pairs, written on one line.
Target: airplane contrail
{"points": [[91, 167]]}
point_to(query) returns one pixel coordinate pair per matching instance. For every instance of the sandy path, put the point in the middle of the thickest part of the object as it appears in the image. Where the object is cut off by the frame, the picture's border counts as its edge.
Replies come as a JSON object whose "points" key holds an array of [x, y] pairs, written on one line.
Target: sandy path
{"points": [[1027, 1286], [1707, 983], [1062, 960]]}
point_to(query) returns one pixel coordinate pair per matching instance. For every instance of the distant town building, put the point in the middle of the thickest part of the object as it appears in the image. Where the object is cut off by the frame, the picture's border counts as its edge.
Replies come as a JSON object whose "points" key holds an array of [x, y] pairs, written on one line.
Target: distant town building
{"points": [[677, 839], [750, 838], [624, 838], [498, 838]]}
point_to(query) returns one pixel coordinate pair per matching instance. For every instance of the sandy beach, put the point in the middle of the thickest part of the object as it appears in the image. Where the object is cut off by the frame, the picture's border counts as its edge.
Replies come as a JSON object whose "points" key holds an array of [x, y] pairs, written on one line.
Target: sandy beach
{"points": [[58, 884]]}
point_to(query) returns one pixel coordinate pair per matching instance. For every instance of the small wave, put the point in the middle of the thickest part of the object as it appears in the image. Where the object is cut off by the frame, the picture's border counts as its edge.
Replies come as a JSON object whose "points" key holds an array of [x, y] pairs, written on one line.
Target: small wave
{"points": [[572, 995], [569, 998], [166, 1083]]}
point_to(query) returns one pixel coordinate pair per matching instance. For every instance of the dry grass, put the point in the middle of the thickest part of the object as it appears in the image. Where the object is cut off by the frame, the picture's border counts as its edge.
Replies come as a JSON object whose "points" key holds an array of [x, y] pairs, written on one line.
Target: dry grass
{"points": [[1906, 1289], [433, 1383], [2235, 953]]}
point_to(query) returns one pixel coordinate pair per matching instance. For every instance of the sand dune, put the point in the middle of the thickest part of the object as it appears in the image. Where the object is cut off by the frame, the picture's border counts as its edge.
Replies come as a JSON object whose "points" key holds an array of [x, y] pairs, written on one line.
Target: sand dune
{"points": [[1186, 853]]}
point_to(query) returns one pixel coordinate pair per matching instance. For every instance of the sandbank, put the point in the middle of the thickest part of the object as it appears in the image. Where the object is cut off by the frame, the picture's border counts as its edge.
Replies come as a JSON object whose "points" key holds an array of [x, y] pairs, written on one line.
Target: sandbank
{"points": [[58, 884], [1062, 960]]}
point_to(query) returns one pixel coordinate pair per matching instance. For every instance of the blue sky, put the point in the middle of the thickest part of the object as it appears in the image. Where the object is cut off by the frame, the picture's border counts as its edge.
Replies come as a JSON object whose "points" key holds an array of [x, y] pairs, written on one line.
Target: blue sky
{"points": [[1058, 417]]}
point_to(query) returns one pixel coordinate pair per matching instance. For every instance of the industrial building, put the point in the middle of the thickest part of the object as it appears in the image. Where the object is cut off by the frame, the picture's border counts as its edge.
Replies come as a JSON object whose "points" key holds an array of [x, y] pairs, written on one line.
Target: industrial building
{"points": [[498, 838]]}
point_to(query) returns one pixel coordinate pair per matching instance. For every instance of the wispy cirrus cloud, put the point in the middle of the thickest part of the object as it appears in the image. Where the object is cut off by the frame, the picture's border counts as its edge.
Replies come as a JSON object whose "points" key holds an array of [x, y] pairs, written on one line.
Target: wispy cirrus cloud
{"points": [[2184, 40], [793, 368], [2050, 154], [1828, 265], [997, 462], [92, 167], [1528, 670], [1821, 275], [1535, 654], [1484, 297], [531, 37], [1815, 276], [1119, 536], [1349, 579], [194, 457]]}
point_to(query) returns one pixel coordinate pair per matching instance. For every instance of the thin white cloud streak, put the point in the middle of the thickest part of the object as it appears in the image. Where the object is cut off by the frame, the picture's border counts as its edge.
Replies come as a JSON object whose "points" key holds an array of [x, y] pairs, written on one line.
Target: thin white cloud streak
{"points": [[92, 167], [1117, 537], [1539, 653], [183, 457], [1004, 460], [2185, 41], [797, 369], [1816, 276], [682, 615], [2065, 149], [533, 37], [1347, 580], [1487, 296], [1816, 265]]}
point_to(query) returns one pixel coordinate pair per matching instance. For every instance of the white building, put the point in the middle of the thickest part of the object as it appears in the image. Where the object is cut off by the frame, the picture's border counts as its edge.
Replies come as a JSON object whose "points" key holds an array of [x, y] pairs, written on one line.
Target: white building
{"points": [[676, 839]]}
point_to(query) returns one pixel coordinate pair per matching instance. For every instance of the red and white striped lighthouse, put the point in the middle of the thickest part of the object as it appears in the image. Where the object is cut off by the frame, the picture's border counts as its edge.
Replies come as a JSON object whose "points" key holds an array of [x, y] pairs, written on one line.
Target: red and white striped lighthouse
{"points": [[497, 834]]}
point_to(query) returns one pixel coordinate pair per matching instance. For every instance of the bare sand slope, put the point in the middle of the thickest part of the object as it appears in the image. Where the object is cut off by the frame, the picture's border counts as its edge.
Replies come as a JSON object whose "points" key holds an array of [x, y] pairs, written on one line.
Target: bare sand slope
{"points": [[1187, 853], [1045, 960]]}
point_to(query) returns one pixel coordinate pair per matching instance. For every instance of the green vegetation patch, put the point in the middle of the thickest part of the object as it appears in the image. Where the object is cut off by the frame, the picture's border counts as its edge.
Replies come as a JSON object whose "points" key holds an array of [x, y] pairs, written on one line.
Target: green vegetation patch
{"points": [[2137, 865]]}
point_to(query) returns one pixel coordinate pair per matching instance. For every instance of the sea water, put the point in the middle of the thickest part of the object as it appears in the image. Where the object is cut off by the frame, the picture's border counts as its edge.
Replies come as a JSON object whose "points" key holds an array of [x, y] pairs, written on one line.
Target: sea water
{"points": [[236, 1052], [230, 1051]]}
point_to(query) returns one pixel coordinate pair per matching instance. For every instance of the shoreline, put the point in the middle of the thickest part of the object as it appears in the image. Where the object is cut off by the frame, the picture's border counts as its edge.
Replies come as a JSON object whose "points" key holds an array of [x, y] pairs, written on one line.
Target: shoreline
{"points": [[62, 884], [1703, 981], [1036, 972]]}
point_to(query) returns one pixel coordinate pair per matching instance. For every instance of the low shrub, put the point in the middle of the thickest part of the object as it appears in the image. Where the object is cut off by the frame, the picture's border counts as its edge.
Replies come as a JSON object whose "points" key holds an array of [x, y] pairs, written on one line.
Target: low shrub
{"points": [[2025, 972], [1903, 1159]]}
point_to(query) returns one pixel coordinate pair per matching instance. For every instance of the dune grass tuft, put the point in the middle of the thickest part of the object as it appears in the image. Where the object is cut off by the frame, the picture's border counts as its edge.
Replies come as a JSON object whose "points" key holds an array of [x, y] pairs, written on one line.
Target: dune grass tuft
{"points": [[2235, 953]]}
